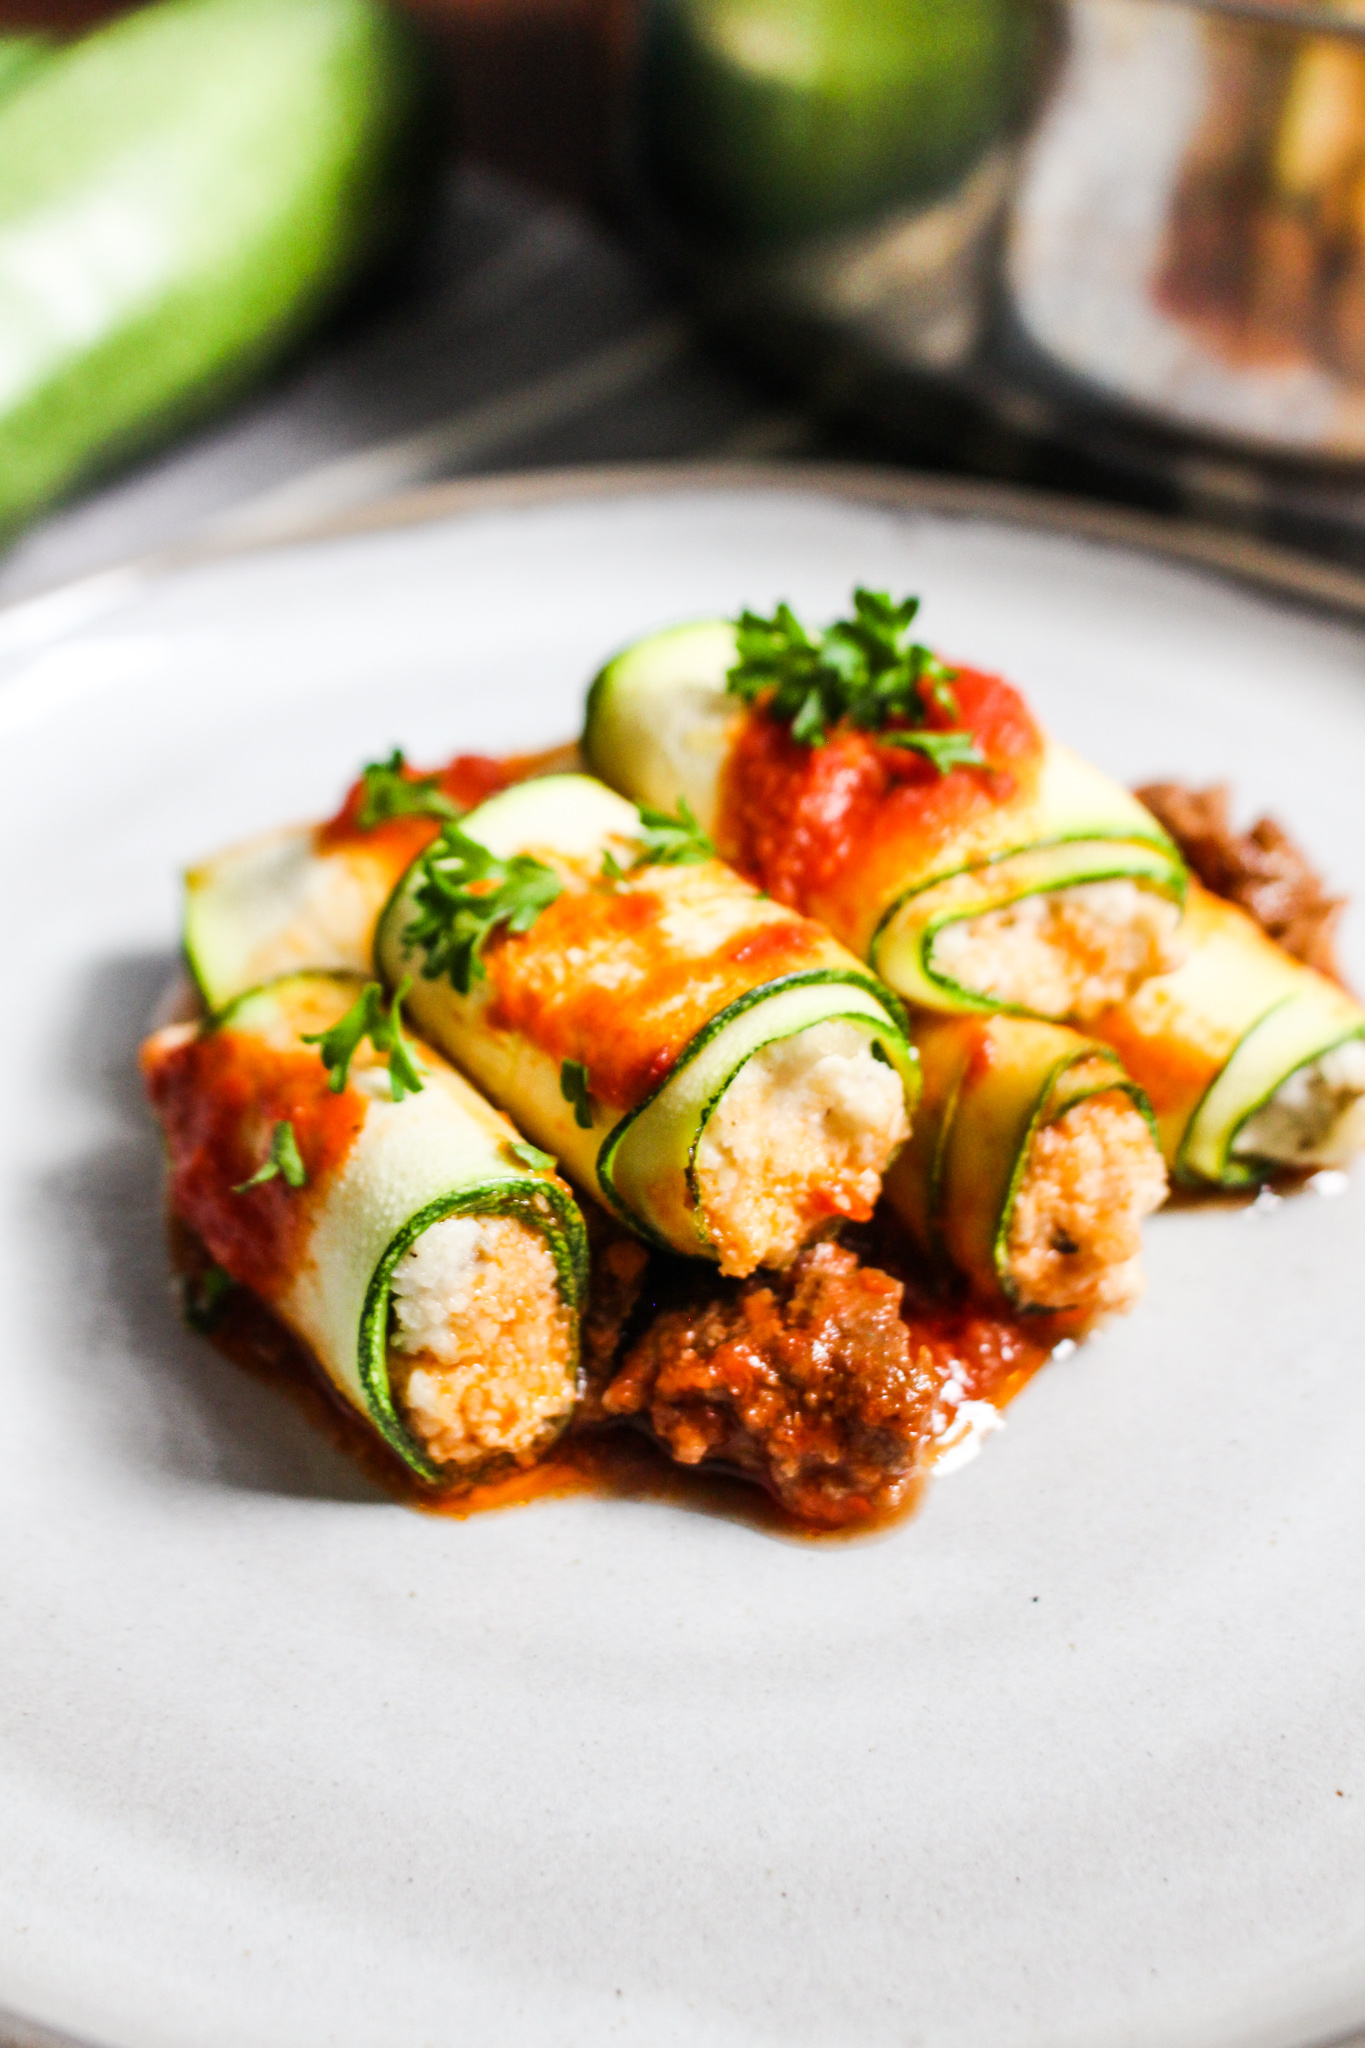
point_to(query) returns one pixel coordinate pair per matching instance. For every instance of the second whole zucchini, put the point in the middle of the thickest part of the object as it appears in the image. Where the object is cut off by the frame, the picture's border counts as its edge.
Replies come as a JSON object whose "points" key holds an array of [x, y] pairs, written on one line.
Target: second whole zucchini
{"points": [[180, 192], [20, 57]]}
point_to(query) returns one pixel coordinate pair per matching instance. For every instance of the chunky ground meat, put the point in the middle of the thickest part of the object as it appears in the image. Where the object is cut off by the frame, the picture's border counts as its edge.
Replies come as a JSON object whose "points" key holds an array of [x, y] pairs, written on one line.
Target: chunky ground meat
{"points": [[1262, 870], [809, 1383]]}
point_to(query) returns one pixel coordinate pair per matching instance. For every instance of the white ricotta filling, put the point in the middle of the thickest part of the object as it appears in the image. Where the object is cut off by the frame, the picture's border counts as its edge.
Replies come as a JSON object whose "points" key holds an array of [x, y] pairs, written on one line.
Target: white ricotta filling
{"points": [[480, 1355], [1316, 1117], [1075, 1232], [803, 1133], [1063, 952]]}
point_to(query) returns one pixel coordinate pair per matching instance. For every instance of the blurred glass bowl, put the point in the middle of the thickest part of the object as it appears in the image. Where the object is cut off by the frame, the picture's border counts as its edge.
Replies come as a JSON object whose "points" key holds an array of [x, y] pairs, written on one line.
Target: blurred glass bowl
{"points": [[1045, 210]]}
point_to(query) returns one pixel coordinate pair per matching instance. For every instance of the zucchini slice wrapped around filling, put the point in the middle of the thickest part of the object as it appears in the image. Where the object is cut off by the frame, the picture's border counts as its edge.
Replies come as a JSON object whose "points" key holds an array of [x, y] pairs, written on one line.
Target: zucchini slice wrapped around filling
{"points": [[1032, 1164], [308, 896], [719, 1070], [930, 824], [1252, 1061], [396, 1223]]}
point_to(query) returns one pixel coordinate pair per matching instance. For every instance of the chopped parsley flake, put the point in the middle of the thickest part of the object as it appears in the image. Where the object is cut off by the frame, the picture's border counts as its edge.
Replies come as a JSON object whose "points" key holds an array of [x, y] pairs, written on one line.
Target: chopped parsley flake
{"points": [[284, 1159], [203, 1295], [531, 1155], [665, 842], [945, 749], [673, 842], [573, 1086]]}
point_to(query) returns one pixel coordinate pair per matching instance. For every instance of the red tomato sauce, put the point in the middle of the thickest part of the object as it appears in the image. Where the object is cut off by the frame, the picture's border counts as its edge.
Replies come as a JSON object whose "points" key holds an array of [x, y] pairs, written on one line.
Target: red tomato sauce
{"points": [[628, 1024], [826, 828], [219, 1098], [1171, 1072], [989, 1357], [386, 851], [467, 780]]}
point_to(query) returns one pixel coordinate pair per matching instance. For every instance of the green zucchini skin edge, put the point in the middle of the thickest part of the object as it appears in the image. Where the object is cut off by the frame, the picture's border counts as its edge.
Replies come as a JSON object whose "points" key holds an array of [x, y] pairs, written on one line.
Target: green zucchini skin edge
{"points": [[972, 1001], [567, 1240], [1119, 1084], [381, 923], [867, 1024], [1245, 1173], [596, 689], [221, 1018], [1239, 1176], [563, 1230], [938, 1247], [896, 1033]]}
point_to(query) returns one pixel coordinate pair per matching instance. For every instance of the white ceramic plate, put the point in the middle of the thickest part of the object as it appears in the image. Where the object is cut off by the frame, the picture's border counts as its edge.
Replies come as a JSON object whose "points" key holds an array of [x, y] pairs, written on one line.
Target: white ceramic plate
{"points": [[1076, 1757]]}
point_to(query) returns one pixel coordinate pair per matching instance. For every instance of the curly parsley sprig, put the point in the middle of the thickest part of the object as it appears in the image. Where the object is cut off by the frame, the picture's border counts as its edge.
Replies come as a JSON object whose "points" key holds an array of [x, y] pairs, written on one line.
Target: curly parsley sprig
{"points": [[672, 842], [390, 792], [367, 1018], [861, 671], [465, 894], [665, 842]]}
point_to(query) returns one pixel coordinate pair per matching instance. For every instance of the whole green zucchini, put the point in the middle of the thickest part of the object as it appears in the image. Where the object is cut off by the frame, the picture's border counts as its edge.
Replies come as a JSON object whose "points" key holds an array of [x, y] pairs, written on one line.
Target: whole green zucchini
{"points": [[763, 120], [20, 57], [179, 193]]}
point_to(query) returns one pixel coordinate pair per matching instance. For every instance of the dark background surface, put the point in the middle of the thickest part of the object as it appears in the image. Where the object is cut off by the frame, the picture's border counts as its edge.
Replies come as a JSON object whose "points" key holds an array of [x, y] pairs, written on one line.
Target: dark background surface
{"points": [[527, 328]]}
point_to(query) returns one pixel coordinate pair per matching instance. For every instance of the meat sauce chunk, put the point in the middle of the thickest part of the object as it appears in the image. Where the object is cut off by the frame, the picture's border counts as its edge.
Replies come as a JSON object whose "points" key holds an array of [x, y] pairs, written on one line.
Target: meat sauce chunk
{"points": [[808, 1382], [1262, 871]]}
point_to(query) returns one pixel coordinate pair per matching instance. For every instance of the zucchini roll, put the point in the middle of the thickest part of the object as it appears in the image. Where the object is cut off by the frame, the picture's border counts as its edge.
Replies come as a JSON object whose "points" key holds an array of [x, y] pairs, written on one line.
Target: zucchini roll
{"points": [[431, 1262], [307, 896], [1252, 1061], [1032, 1164], [717, 1069], [918, 812]]}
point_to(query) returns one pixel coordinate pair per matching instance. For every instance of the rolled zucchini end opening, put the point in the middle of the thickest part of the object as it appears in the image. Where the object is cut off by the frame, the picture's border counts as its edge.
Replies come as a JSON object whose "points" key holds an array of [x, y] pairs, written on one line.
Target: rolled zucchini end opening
{"points": [[1062, 953], [1315, 1118], [1074, 1235], [802, 1134], [482, 1352]]}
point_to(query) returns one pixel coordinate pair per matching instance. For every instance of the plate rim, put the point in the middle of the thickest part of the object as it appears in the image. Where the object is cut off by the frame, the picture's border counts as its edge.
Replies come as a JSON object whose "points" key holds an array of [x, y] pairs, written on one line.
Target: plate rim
{"points": [[1226, 554]]}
